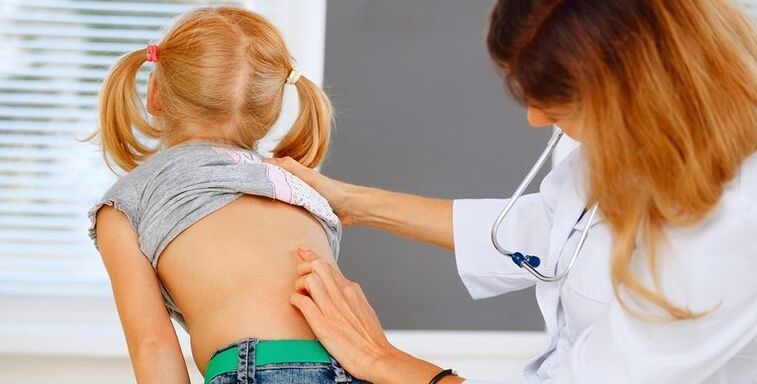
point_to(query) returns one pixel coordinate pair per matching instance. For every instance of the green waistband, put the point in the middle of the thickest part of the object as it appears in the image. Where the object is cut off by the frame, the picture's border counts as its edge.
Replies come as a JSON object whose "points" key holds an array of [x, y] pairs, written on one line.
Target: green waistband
{"points": [[269, 352]]}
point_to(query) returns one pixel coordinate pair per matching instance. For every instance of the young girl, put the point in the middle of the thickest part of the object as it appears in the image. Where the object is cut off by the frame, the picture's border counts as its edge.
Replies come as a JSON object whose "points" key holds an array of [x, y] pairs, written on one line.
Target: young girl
{"points": [[200, 229]]}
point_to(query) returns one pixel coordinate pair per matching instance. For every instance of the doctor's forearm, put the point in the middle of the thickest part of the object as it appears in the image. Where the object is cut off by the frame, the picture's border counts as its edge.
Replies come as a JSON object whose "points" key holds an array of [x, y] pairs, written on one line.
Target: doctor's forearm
{"points": [[402, 368], [418, 218]]}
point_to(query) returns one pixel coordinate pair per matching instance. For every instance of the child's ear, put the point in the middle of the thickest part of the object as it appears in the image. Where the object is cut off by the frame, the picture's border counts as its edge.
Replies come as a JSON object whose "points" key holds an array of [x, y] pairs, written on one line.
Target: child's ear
{"points": [[153, 107]]}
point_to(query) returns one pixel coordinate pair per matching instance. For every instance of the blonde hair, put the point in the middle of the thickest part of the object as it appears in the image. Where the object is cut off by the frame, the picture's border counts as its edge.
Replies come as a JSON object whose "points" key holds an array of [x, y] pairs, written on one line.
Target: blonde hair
{"points": [[667, 91], [220, 68]]}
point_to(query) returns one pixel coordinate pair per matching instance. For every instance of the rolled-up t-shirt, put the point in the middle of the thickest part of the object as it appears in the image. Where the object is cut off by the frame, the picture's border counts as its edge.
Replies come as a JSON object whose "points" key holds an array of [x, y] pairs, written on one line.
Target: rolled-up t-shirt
{"points": [[178, 186]]}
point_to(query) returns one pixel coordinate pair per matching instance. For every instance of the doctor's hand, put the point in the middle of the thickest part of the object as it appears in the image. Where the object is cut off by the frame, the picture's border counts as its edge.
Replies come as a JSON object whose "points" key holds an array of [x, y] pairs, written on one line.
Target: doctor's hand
{"points": [[335, 191], [419, 218], [345, 323]]}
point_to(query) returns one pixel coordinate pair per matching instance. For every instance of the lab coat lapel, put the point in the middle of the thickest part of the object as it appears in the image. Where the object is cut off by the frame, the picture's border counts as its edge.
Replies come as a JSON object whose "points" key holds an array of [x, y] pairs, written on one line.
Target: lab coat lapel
{"points": [[567, 212]]}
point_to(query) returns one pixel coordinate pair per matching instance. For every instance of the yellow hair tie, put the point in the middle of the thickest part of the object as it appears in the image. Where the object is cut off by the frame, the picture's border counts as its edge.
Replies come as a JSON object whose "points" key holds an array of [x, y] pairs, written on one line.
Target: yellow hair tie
{"points": [[294, 75]]}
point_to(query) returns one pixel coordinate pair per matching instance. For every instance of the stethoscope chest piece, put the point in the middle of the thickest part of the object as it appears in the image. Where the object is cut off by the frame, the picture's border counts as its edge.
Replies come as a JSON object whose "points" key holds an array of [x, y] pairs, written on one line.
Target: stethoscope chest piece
{"points": [[519, 258]]}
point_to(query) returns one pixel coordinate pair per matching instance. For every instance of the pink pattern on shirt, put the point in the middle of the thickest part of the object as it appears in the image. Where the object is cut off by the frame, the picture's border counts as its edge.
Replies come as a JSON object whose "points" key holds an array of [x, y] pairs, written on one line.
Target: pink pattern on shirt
{"points": [[287, 187], [239, 157], [281, 189]]}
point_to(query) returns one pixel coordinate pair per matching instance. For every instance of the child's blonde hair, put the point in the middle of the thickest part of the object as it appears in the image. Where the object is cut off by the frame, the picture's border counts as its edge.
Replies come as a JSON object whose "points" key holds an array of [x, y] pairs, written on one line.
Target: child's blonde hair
{"points": [[217, 67]]}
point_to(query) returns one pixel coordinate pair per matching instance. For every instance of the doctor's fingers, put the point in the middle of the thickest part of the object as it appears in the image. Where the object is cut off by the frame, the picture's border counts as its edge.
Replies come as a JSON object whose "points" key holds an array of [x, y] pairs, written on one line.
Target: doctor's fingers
{"points": [[350, 293], [351, 298], [310, 310], [345, 342], [334, 191], [317, 272], [339, 289], [354, 317], [313, 261], [337, 311], [312, 286], [307, 175], [311, 177]]}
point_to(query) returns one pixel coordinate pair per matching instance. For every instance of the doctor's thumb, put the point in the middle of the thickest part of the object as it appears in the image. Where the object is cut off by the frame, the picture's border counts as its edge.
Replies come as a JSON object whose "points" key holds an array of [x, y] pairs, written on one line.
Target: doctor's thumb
{"points": [[292, 166]]}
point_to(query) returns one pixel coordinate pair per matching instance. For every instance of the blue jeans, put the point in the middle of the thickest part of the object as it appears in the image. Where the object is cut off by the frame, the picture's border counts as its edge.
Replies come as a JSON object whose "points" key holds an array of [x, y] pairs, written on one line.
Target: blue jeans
{"points": [[284, 373]]}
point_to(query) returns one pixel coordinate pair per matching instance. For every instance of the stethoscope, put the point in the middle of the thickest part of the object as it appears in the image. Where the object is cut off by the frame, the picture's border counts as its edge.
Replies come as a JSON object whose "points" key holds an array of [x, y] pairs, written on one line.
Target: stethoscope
{"points": [[528, 262]]}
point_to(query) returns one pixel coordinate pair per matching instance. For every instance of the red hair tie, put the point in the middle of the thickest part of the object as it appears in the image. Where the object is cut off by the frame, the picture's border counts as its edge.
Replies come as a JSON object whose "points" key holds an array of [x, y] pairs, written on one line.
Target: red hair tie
{"points": [[152, 53]]}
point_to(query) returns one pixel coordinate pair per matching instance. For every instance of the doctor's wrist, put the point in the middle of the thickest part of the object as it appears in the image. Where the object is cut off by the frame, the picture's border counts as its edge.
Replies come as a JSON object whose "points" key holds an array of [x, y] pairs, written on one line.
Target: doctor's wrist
{"points": [[397, 366], [358, 203]]}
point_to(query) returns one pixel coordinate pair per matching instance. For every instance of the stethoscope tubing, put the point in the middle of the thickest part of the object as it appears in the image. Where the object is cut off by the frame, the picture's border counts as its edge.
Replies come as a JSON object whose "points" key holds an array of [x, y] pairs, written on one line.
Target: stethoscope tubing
{"points": [[526, 263]]}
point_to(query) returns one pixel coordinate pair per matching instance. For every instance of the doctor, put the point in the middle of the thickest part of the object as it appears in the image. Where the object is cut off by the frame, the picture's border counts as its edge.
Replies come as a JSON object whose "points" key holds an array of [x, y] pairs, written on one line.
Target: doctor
{"points": [[662, 95]]}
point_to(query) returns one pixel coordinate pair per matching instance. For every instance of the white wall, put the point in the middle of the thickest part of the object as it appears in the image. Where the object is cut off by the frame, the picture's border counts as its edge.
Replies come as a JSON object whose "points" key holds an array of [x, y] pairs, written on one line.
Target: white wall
{"points": [[447, 349], [64, 339], [83, 343]]}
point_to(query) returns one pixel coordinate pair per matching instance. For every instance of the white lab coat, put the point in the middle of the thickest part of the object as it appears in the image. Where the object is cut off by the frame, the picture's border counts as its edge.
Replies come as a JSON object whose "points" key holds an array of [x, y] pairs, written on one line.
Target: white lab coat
{"points": [[591, 338]]}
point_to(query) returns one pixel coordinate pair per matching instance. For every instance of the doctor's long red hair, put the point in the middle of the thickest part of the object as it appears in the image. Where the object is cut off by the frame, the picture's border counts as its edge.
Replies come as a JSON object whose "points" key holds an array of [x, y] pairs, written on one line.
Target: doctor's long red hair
{"points": [[667, 93]]}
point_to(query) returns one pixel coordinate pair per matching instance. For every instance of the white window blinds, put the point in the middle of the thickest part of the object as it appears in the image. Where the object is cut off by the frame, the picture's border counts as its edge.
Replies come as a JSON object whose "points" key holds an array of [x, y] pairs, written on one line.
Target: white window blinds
{"points": [[54, 55]]}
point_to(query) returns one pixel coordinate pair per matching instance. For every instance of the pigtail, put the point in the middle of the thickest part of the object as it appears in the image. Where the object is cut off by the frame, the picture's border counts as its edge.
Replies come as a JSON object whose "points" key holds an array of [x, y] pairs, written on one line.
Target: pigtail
{"points": [[308, 140], [121, 109], [224, 74]]}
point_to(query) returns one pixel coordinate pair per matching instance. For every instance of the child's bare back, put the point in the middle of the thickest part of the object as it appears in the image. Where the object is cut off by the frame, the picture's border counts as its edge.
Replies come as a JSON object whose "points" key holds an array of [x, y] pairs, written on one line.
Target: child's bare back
{"points": [[232, 273]]}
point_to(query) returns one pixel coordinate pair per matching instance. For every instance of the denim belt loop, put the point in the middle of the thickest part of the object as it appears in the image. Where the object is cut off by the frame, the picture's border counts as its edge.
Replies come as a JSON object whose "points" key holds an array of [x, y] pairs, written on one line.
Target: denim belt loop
{"points": [[341, 376], [246, 368]]}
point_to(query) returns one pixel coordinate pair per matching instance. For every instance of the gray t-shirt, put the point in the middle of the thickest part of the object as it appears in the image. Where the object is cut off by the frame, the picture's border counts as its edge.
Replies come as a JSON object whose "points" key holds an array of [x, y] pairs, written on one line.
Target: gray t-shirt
{"points": [[178, 186]]}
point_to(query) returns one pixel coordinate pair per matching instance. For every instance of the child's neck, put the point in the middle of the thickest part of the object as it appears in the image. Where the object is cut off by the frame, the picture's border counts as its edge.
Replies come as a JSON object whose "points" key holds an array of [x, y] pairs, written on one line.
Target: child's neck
{"points": [[209, 141]]}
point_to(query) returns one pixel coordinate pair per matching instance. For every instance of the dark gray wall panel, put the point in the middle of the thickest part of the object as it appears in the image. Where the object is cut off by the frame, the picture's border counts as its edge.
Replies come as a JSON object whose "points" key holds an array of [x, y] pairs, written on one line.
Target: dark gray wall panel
{"points": [[422, 110]]}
